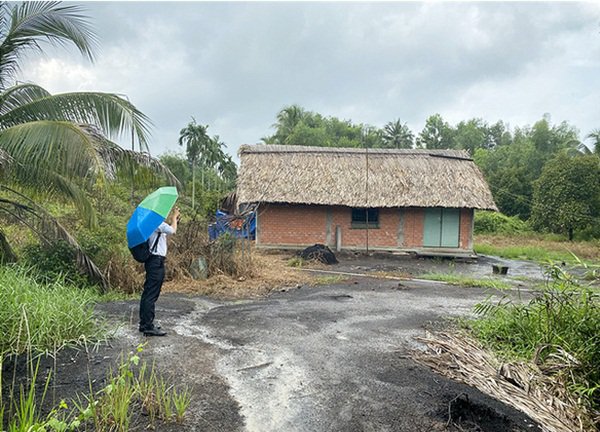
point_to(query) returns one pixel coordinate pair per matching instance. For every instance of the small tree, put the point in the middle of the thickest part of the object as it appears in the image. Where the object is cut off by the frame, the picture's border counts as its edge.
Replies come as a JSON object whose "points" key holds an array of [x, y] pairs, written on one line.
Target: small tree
{"points": [[437, 134], [397, 135], [567, 194], [196, 142]]}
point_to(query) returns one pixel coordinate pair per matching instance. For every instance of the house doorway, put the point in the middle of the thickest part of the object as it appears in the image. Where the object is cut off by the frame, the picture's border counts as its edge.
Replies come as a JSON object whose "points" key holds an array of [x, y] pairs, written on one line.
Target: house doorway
{"points": [[441, 227]]}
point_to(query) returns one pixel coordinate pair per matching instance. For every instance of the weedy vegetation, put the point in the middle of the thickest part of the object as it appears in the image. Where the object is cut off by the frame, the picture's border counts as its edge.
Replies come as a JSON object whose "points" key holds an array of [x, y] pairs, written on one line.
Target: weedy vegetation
{"points": [[329, 279], [133, 388], [40, 316], [460, 280], [558, 329], [537, 247]]}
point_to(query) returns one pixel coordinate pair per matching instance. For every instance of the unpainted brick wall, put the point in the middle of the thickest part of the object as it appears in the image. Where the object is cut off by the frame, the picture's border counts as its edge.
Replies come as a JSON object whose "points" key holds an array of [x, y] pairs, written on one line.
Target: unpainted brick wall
{"points": [[466, 229], [302, 225], [281, 224], [384, 236]]}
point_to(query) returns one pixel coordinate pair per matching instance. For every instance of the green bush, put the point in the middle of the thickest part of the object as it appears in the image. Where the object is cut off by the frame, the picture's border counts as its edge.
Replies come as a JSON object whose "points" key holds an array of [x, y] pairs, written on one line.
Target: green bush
{"points": [[54, 262], [560, 323], [105, 242], [487, 222]]}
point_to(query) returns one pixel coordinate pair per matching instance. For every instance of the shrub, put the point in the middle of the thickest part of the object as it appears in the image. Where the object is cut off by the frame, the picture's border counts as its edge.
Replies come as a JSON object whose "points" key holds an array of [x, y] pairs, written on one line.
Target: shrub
{"points": [[559, 329], [227, 255], [487, 222], [54, 262]]}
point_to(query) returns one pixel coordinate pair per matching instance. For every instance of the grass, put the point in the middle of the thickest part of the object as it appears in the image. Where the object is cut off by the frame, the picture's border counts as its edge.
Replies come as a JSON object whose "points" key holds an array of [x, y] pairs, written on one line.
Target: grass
{"points": [[559, 329], [329, 279], [539, 248], [296, 261], [456, 279], [130, 388], [41, 317]]}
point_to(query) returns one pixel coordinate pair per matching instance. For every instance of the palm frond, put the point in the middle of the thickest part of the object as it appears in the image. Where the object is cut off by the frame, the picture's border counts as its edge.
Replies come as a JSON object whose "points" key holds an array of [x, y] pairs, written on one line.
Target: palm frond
{"points": [[62, 157], [38, 184], [32, 22], [19, 95], [115, 157], [5, 161], [48, 229], [7, 255], [60, 146], [113, 114]]}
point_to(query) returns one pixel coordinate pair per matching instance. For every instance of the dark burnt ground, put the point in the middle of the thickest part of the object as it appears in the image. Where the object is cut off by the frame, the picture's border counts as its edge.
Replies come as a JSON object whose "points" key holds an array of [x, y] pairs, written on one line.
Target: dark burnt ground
{"points": [[76, 370], [331, 358]]}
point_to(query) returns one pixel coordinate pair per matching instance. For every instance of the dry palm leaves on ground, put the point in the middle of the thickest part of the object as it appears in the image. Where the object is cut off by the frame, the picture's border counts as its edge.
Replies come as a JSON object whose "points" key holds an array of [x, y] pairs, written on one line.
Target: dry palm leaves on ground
{"points": [[521, 385]]}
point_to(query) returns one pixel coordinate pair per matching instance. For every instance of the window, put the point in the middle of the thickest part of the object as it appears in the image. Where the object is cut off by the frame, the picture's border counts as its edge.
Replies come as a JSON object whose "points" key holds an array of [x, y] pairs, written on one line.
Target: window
{"points": [[365, 218]]}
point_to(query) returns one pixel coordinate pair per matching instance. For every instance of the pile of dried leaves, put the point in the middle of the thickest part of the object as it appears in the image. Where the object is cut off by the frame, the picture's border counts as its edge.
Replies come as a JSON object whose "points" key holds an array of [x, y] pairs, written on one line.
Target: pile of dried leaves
{"points": [[524, 386]]}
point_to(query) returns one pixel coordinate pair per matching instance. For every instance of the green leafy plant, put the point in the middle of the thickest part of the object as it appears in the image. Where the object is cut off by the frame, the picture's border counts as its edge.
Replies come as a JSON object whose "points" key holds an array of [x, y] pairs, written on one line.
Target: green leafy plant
{"points": [[54, 262], [559, 328], [488, 222], [181, 402]]}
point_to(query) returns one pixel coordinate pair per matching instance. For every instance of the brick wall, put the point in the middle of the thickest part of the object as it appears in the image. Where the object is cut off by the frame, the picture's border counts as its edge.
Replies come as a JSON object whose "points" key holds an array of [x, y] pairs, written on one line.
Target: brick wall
{"points": [[414, 220], [466, 229], [303, 225], [280, 224], [384, 236]]}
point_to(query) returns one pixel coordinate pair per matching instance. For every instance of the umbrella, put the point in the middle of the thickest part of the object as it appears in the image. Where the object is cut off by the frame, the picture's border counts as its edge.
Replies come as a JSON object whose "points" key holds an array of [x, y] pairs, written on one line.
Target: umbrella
{"points": [[149, 215]]}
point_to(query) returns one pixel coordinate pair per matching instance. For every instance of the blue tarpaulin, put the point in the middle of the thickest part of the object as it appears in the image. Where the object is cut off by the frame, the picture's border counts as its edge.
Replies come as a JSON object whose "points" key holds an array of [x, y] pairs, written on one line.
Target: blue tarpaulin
{"points": [[238, 226]]}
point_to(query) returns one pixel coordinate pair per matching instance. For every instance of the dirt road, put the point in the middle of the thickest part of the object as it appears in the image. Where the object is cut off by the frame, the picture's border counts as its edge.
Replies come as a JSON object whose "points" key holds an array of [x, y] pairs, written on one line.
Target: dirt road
{"points": [[331, 358]]}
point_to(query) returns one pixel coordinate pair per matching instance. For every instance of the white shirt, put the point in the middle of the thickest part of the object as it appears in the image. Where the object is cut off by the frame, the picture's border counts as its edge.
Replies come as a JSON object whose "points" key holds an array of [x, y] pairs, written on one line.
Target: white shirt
{"points": [[161, 247]]}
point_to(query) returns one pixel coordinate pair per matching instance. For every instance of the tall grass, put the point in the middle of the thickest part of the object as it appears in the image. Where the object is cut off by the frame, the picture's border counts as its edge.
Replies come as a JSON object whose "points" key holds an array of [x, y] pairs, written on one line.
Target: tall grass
{"points": [[530, 253], [559, 329], [40, 317], [536, 247]]}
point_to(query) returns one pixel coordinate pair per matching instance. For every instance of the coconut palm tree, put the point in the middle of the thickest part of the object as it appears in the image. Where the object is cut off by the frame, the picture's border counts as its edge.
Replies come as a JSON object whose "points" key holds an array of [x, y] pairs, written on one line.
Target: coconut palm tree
{"points": [[23, 26], [595, 136], [57, 143], [228, 171], [287, 119], [59, 140], [197, 144], [397, 135]]}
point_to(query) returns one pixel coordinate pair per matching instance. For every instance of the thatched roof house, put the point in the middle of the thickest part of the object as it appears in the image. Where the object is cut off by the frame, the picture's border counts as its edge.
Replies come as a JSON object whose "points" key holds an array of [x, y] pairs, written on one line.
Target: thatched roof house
{"points": [[330, 179], [339, 176]]}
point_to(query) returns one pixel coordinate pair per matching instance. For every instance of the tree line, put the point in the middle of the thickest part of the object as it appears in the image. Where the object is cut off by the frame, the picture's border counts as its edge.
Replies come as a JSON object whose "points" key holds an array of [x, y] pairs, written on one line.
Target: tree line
{"points": [[542, 173]]}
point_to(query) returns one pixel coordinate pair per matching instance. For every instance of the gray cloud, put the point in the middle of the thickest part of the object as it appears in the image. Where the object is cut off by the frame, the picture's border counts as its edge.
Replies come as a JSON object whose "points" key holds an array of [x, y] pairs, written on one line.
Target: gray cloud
{"points": [[234, 65]]}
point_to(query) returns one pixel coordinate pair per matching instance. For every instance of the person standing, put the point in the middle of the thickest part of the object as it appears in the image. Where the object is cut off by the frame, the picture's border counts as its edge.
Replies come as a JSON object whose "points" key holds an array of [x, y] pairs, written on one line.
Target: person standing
{"points": [[155, 274]]}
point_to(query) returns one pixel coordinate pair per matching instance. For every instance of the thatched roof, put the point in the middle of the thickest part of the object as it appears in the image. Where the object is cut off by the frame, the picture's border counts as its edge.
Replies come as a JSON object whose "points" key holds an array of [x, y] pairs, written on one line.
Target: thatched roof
{"points": [[338, 176]]}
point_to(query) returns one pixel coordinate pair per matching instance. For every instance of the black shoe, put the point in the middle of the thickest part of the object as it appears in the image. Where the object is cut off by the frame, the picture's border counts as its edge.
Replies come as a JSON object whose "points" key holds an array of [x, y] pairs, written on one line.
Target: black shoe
{"points": [[143, 329], [154, 332]]}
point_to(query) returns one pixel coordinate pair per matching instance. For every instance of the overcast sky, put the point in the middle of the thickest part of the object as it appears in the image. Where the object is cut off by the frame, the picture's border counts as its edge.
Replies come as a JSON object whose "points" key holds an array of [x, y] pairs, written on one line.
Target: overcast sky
{"points": [[233, 66]]}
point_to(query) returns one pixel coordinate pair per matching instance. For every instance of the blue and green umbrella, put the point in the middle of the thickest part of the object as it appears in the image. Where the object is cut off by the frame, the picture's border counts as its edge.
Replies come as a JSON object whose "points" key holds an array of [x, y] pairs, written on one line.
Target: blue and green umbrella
{"points": [[149, 214]]}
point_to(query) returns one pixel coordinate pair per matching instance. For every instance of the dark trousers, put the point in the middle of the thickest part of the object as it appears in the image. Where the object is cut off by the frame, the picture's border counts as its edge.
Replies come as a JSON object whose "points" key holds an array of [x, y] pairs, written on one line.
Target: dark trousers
{"points": [[155, 275]]}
